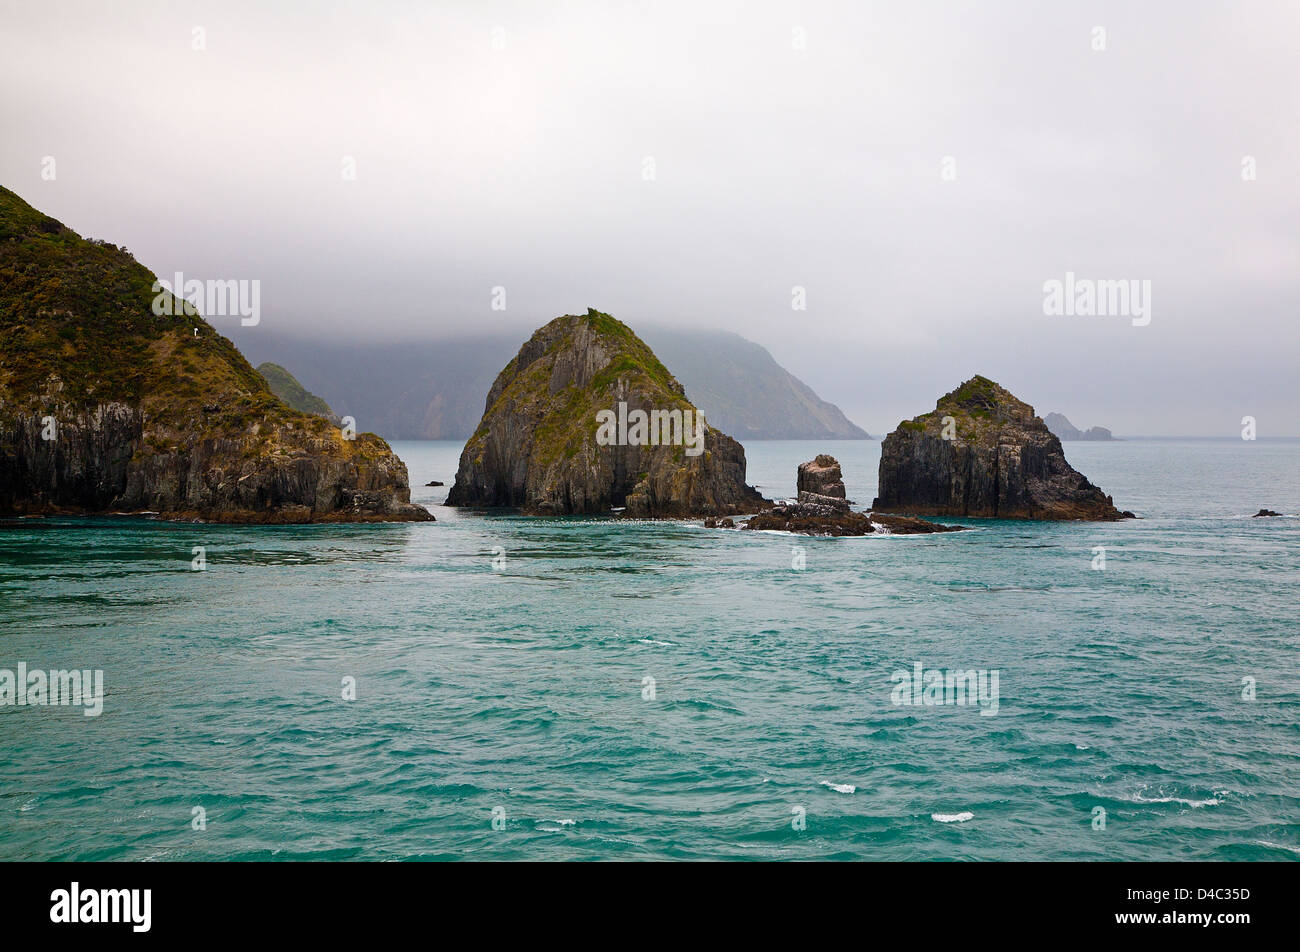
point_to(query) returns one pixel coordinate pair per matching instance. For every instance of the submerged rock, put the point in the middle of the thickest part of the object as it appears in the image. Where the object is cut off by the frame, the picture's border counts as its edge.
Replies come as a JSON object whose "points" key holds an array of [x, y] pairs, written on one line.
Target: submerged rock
{"points": [[107, 405], [586, 419], [983, 452]]}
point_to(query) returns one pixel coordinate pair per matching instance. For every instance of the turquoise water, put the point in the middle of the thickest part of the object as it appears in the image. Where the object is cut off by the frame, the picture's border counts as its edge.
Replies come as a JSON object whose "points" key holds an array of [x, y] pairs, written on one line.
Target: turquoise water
{"points": [[520, 688]]}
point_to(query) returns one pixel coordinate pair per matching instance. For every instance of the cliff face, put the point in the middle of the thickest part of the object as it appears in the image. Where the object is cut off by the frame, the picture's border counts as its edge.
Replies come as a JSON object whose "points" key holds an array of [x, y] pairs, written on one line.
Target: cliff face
{"points": [[539, 445], [996, 458], [107, 407]]}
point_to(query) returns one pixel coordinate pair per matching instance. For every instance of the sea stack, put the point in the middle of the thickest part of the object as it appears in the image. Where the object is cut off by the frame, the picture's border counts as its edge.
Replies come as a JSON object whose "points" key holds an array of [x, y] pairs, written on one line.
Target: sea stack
{"points": [[822, 510], [820, 482], [585, 419], [115, 397], [983, 452]]}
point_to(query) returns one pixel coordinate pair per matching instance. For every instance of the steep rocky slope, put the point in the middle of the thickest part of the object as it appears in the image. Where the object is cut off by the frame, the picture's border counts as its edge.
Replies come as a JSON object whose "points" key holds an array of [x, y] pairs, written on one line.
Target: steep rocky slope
{"points": [[744, 391], [538, 447], [106, 406], [286, 386], [983, 452]]}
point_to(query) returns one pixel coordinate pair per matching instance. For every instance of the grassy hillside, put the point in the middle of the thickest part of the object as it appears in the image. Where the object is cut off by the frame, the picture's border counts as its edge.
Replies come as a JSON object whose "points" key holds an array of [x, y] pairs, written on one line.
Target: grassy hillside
{"points": [[157, 412], [285, 386]]}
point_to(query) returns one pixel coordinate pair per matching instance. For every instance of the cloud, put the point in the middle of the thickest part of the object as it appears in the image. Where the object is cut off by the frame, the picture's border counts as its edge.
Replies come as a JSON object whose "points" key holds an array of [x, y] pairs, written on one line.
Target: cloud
{"points": [[506, 144]]}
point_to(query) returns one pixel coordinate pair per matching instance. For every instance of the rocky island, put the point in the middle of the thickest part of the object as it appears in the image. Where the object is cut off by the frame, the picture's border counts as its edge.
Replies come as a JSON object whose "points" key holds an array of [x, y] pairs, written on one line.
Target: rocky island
{"points": [[1060, 424], [107, 407], [586, 419], [983, 452]]}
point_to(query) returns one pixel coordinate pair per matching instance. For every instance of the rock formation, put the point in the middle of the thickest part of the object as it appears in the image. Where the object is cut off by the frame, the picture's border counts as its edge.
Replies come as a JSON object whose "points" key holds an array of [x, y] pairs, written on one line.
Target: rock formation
{"points": [[822, 509], [820, 483], [983, 452], [1265, 512], [546, 443], [108, 406]]}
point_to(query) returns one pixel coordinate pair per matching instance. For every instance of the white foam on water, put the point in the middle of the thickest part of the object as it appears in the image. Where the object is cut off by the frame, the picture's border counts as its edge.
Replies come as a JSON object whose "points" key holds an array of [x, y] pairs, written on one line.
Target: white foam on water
{"points": [[1138, 798], [840, 787], [952, 817]]}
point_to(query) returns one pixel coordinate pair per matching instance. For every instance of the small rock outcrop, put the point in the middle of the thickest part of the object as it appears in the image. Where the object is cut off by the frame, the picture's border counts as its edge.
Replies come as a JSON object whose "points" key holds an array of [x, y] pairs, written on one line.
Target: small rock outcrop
{"points": [[586, 419], [820, 483], [1265, 512], [983, 452], [822, 509]]}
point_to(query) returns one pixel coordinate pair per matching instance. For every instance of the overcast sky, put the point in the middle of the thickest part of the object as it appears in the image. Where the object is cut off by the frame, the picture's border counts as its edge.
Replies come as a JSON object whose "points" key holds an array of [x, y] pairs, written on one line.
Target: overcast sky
{"points": [[793, 144]]}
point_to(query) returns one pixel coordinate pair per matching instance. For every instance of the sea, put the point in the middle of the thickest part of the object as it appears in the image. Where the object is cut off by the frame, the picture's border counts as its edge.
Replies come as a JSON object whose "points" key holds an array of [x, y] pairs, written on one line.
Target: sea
{"points": [[491, 686]]}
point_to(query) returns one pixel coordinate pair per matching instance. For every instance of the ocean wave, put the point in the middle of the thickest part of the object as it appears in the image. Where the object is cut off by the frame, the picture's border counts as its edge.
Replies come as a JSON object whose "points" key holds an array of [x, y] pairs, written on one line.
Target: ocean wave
{"points": [[840, 787], [952, 817]]}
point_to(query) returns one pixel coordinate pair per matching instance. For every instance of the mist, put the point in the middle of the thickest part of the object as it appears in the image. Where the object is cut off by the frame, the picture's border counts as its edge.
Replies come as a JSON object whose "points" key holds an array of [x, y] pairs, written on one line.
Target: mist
{"points": [[912, 174]]}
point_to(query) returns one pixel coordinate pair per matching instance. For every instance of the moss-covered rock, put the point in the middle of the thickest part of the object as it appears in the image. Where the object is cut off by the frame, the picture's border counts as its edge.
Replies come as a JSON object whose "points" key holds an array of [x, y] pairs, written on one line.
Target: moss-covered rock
{"points": [[982, 452], [536, 447]]}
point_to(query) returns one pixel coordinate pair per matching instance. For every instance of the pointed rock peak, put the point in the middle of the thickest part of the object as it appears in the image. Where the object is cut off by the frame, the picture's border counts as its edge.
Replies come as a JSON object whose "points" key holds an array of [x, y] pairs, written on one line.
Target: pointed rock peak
{"points": [[980, 396], [586, 419]]}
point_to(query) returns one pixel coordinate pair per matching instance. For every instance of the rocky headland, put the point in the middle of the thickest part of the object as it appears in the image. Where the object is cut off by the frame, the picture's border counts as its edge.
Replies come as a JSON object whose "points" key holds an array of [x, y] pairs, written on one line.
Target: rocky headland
{"points": [[108, 407], [983, 452], [541, 446]]}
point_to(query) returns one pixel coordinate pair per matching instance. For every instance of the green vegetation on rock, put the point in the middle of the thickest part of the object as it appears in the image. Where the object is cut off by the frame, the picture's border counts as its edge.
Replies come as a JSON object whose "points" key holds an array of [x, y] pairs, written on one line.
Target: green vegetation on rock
{"points": [[153, 412], [285, 386], [536, 446]]}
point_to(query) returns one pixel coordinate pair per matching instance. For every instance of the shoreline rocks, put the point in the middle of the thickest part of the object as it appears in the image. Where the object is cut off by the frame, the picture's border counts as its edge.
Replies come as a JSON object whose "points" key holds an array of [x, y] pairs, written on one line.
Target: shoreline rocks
{"points": [[983, 453], [822, 510]]}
